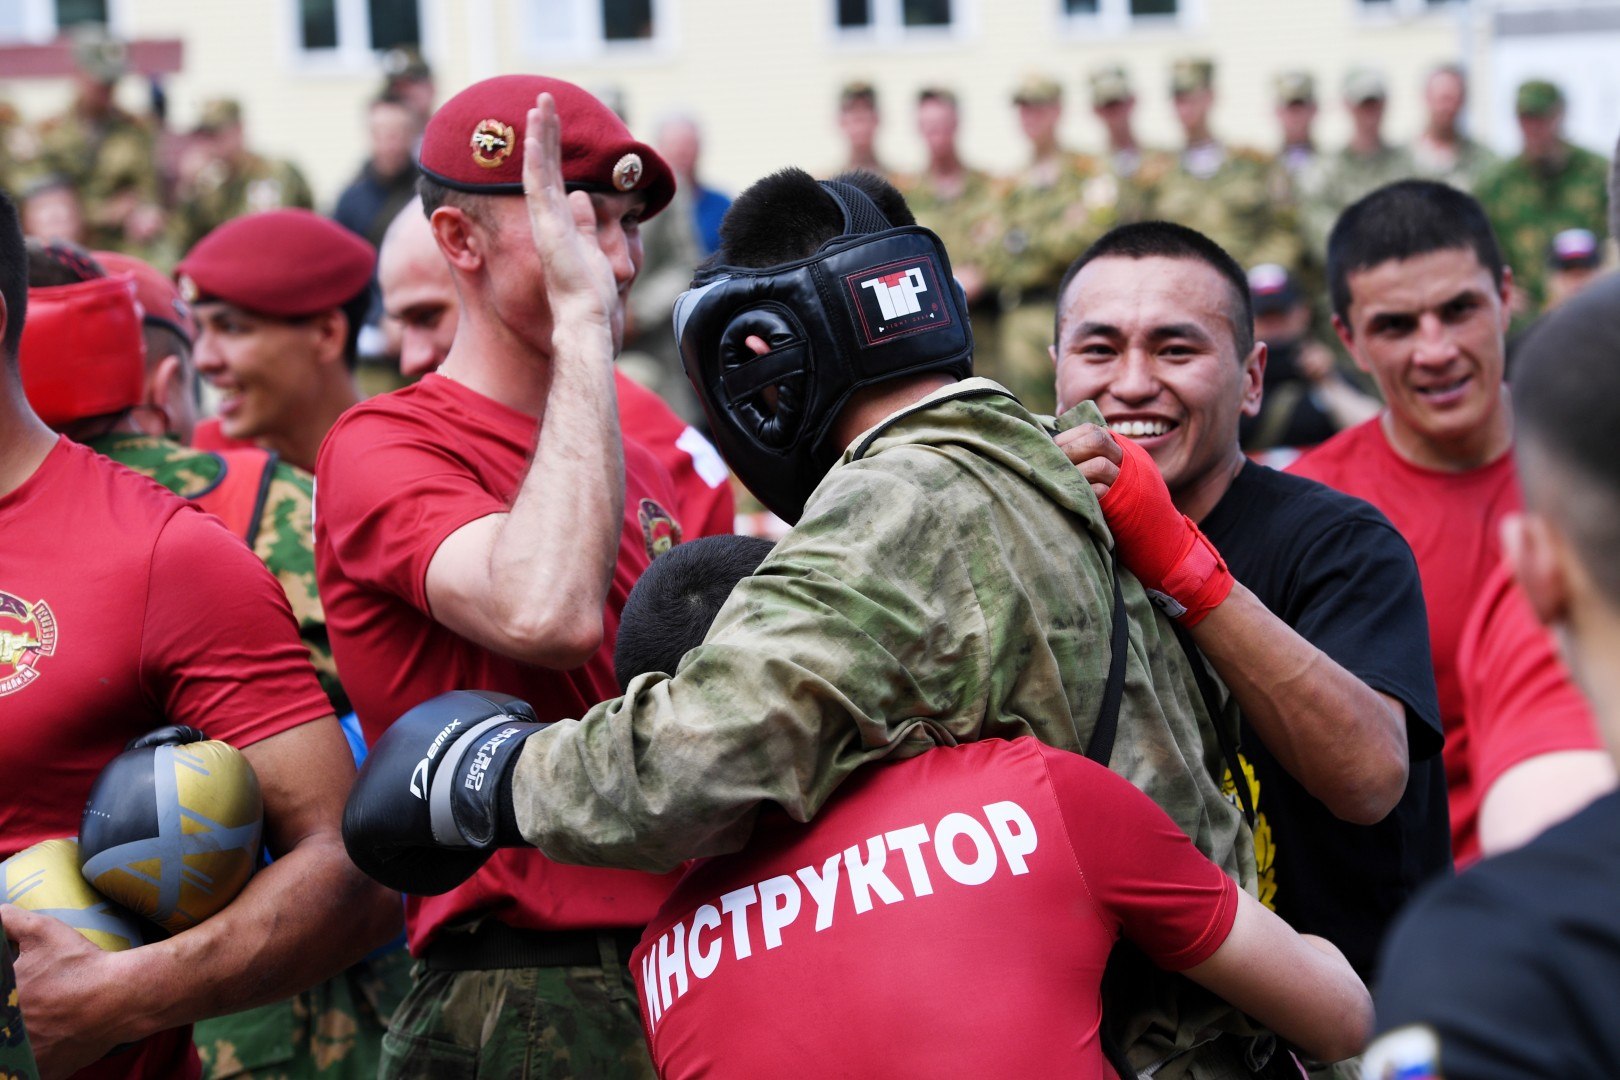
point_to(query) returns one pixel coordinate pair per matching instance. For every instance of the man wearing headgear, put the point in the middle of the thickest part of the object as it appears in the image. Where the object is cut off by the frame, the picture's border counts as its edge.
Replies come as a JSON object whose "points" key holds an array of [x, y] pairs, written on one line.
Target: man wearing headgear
{"points": [[481, 529], [1296, 113], [1442, 150], [226, 180], [1139, 170], [107, 153], [1550, 186], [114, 598], [1364, 163], [946, 579], [279, 299], [1236, 196], [1044, 214], [408, 78]]}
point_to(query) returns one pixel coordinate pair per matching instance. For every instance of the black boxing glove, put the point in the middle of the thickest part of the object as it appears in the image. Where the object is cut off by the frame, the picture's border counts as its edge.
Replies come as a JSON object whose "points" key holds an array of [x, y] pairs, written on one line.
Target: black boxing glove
{"points": [[433, 799]]}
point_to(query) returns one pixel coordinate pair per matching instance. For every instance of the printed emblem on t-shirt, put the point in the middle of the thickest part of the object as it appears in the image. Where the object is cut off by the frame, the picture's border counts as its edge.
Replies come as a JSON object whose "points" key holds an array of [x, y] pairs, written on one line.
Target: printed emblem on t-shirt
{"points": [[27, 634], [660, 530]]}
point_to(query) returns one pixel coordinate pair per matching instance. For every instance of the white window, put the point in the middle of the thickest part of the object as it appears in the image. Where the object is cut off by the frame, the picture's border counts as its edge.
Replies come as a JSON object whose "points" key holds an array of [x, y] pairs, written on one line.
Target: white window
{"points": [[1091, 17], [352, 32], [42, 20], [585, 28], [885, 21], [1402, 9]]}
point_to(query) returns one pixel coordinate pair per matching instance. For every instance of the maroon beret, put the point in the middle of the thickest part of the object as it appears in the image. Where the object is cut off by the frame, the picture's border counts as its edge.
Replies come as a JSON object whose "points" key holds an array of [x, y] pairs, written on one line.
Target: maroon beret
{"points": [[286, 263], [474, 142]]}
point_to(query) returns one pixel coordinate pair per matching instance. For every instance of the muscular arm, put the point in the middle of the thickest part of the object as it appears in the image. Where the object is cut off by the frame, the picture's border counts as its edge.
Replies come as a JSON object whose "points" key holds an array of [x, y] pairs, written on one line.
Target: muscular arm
{"points": [[307, 916], [1342, 740]]}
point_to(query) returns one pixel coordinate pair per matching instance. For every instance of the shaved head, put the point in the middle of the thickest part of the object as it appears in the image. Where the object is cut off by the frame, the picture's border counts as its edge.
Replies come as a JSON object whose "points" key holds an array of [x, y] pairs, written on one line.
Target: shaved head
{"points": [[419, 294]]}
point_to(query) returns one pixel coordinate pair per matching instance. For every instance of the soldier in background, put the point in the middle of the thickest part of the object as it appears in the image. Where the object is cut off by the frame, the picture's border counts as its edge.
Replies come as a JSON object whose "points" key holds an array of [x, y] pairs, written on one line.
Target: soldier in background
{"points": [[409, 79], [387, 179], [1441, 151], [858, 120], [226, 180], [1138, 170], [1550, 186], [1236, 196], [1296, 115], [107, 154], [1044, 216], [1366, 162], [51, 210]]}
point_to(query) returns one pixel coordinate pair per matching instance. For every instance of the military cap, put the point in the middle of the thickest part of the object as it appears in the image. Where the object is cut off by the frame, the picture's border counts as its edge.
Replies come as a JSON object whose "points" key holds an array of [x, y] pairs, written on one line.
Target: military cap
{"points": [[1295, 88], [1272, 289], [1574, 249], [474, 142], [405, 65], [1110, 84], [1036, 89], [937, 93], [857, 92], [161, 302], [1538, 97], [217, 113], [1191, 73], [98, 54], [286, 263], [1363, 84]]}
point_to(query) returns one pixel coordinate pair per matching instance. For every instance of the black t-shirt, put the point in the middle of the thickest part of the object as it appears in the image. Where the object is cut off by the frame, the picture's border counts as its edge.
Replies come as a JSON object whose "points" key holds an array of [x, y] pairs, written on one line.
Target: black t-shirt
{"points": [[1289, 414], [1512, 969], [1334, 568]]}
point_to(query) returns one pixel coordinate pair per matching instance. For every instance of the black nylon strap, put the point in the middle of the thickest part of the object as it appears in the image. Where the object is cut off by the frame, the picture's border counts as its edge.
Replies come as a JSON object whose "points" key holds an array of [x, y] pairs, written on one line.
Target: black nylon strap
{"points": [[1101, 746], [495, 946], [1212, 702]]}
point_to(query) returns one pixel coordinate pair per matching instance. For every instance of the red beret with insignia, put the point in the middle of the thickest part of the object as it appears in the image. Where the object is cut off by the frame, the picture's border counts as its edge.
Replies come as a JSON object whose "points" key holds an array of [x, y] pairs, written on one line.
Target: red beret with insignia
{"points": [[474, 143], [286, 263]]}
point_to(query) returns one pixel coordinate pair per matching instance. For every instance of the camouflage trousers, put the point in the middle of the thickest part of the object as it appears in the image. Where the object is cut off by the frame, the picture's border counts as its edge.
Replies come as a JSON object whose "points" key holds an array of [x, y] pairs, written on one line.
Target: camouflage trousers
{"points": [[333, 1031], [1025, 366], [545, 1023], [16, 1058]]}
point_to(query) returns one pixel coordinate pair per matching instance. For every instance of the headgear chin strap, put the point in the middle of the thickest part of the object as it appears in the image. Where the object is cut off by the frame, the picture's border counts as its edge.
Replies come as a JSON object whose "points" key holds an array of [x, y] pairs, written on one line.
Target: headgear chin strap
{"points": [[872, 304], [82, 352]]}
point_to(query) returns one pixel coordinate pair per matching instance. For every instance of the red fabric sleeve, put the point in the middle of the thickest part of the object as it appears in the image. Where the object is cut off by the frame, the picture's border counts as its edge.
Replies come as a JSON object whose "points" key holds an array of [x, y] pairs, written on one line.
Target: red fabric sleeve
{"points": [[1518, 698], [219, 648], [388, 492], [1146, 879]]}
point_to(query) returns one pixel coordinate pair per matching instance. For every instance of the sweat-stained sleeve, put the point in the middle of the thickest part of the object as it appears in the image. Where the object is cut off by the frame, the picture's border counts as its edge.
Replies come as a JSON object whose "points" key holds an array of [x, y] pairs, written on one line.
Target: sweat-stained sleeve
{"points": [[860, 632]]}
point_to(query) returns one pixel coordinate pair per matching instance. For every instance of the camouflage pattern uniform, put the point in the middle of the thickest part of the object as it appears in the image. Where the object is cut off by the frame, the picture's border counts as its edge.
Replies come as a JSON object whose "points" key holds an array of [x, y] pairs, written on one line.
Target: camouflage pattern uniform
{"points": [[16, 1057], [106, 158], [1530, 202], [1334, 181], [1239, 198], [1045, 216], [1464, 171], [862, 637], [954, 216], [222, 191]]}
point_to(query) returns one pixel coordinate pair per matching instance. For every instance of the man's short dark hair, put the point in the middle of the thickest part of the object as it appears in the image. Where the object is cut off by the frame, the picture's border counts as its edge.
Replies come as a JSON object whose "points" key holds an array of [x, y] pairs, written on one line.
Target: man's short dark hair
{"points": [[1402, 221], [435, 195], [788, 215], [355, 310], [1566, 403], [1167, 240], [13, 278], [669, 612]]}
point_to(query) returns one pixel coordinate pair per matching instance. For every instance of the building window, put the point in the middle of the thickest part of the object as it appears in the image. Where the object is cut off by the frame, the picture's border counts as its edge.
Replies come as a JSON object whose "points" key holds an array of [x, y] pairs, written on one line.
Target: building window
{"points": [[42, 20], [354, 30], [1122, 16], [1402, 9], [590, 27], [896, 20]]}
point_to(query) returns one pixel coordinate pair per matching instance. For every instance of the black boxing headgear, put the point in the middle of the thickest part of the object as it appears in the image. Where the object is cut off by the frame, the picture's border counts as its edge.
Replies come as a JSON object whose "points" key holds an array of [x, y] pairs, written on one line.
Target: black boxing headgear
{"points": [[872, 304]]}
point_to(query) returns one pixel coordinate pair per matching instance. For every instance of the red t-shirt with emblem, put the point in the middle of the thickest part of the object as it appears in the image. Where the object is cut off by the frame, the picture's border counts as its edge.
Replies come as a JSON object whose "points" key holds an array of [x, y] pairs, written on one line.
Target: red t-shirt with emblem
{"points": [[1451, 520], [704, 502], [945, 916], [395, 477], [123, 608]]}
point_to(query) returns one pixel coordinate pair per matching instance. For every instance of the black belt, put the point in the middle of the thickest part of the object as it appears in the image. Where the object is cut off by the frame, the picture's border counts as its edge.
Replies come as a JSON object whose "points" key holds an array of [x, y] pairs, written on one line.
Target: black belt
{"points": [[496, 946]]}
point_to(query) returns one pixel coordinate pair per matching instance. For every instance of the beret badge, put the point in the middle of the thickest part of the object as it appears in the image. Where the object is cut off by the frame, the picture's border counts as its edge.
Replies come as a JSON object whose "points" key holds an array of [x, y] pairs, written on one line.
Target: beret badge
{"points": [[492, 143], [188, 289], [627, 172]]}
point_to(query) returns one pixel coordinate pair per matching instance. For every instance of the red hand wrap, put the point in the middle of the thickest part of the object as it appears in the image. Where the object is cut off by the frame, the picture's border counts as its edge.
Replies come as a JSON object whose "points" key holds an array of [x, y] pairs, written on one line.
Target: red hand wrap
{"points": [[1159, 544]]}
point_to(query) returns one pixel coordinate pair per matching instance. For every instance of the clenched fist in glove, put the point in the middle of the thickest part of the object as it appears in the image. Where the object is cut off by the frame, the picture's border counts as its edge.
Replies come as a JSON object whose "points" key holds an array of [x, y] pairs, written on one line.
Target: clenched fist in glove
{"points": [[1169, 554], [433, 800]]}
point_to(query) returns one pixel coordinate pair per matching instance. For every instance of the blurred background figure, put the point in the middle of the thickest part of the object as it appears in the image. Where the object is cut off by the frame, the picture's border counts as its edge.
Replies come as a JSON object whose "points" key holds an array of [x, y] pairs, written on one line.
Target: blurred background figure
{"points": [[51, 210], [1366, 162], [858, 121], [1296, 115], [1552, 185], [1442, 151], [1306, 398], [949, 195], [224, 179], [408, 78], [387, 179], [1139, 170], [1574, 261]]}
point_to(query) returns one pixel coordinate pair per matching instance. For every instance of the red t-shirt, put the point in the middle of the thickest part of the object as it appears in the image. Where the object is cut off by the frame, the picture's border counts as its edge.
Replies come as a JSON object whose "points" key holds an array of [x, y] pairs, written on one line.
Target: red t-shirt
{"points": [[1517, 694], [1451, 521], [209, 435], [123, 608], [395, 477], [702, 482], [948, 915]]}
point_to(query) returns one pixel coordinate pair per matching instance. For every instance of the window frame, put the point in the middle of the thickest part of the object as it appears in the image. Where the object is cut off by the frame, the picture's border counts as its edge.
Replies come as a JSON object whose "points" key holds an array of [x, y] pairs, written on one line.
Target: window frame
{"points": [[1114, 20], [39, 22], [888, 30], [353, 52], [1403, 11], [590, 43]]}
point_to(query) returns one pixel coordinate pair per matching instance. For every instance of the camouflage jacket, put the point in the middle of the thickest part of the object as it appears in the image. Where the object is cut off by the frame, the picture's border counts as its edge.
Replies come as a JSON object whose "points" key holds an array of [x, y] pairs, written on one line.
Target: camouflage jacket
{"points": [[104, 158], [951, 216], [219, 193], [1334, 181], [16, 1057], [1530, 202], [1039, 220], [1464, 170], [284, 541], [1245, 204]]}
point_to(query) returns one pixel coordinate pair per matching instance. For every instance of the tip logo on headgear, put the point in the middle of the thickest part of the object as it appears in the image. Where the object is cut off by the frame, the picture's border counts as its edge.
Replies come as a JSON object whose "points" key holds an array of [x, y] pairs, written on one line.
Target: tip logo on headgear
{"points": [[897, 292]]}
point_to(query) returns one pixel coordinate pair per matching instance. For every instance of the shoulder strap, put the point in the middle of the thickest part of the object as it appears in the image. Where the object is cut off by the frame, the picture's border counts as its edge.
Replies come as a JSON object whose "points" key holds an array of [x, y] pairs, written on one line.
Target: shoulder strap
{"points": [[238, 498], [1101, 746], [1212, 702]]}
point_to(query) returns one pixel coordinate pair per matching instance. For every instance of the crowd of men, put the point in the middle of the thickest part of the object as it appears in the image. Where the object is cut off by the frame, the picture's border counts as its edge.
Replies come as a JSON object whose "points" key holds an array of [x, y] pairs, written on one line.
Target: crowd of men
{"points": [[1024, 745]]}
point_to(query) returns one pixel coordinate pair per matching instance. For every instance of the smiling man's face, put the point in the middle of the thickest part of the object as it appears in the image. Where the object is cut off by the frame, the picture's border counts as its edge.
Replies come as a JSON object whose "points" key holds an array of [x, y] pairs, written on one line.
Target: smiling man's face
{"points": [[1151, 342]]}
